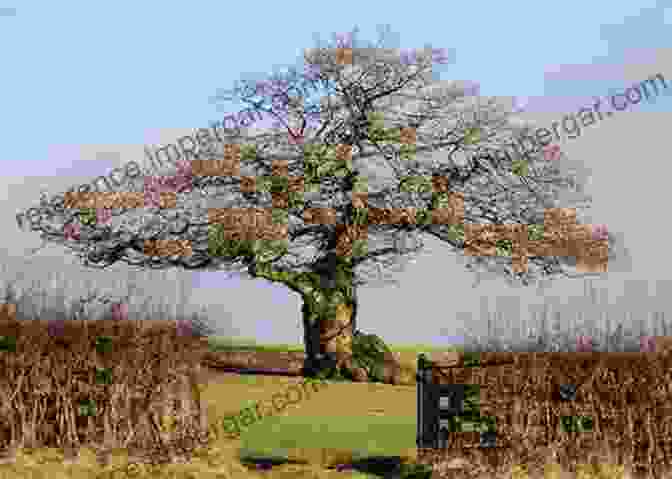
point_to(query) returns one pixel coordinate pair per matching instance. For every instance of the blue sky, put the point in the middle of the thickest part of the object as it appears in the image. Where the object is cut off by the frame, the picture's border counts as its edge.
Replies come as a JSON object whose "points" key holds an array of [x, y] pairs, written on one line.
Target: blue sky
{"points": [[79, 72], [86, 85]]}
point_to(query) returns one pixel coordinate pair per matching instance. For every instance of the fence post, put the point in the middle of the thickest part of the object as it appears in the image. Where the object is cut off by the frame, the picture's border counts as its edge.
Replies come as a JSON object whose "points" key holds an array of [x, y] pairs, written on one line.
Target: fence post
{"points": [[423, 381]]}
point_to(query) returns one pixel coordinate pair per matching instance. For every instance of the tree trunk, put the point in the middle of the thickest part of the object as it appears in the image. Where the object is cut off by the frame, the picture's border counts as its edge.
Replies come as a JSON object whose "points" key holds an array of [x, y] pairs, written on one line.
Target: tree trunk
{"points": [[329, 310], [328, 321]]}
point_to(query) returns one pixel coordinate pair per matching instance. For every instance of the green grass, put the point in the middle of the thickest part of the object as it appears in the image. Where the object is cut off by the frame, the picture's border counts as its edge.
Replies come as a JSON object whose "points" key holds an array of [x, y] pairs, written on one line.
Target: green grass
{"points": [[420, 348], [369, 436], [221, 343], [280, 436]]}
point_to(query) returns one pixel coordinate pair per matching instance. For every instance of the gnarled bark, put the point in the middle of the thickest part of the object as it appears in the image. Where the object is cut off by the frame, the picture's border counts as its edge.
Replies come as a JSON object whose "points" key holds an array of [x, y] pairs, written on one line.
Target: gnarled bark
{"points": [[328, 321], [329, 310]]}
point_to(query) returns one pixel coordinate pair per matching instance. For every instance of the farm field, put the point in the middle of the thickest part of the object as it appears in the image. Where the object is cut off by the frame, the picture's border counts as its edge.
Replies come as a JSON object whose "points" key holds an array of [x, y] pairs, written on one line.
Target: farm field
{"points": [[365, 419]]}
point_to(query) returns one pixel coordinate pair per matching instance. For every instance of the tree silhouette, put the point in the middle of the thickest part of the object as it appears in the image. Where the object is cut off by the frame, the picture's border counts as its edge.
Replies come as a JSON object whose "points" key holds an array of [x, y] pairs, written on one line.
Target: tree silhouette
{"points": [[300, 211]]}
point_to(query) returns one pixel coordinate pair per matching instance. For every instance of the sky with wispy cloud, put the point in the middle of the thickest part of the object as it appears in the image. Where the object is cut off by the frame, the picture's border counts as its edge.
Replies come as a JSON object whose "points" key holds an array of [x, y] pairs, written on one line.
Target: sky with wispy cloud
{"points": [[87, 85]]}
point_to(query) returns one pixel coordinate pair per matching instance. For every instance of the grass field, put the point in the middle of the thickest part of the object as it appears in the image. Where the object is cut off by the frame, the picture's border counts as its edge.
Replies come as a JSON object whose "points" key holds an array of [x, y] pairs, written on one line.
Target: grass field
{"points": [[351, 420]]}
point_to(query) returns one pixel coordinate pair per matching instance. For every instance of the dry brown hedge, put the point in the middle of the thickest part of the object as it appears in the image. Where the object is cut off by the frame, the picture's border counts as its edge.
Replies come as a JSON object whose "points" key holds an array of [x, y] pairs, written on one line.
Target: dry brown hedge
{"points": [[106, 384], [626, 394]]}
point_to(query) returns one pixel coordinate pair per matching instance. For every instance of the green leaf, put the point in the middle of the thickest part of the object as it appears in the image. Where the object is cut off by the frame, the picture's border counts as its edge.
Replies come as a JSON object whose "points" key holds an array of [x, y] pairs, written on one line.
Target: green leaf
{"points": [[585, 423], [360, 247], [377, 131], [416, 471], [87, 216], [296, 199], [360, 216], [440, 200], [314, 154], [104, 344], [423, 217], [361, 185], [407, 152], [456, 232], [269, 250], [576, 423], [8, 343], [389, 135], [472, 136], [376, 124], [326, 168], [103, 376], [416, 184], [279, 184], [87, 407], [279, 216], [219, 246], [263, 183], [376, 373], [520, 168], [312, 187], [343, 169], [504, 247], [472, 359], [535, 232], [248, 152]]}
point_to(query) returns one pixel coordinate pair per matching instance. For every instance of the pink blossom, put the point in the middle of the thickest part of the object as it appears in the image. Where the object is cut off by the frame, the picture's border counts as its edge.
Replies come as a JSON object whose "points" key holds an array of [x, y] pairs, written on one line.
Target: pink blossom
{"points": [[120, 311], [183, 183], [312, 72], [439, 55], [151, 182], [152, 196], [584, 344], [103, 215], [647, 344], [276, 89], [408, 57], [473, 89], [259, 88], [263, 87], [167, 184], [184, 167], [71, 231], [272, 87], [296, 139], [184, 328], [600, 232], [152, 200], [344, 40], [279, 104], [56, 327], [313, 115], [551, 152]]}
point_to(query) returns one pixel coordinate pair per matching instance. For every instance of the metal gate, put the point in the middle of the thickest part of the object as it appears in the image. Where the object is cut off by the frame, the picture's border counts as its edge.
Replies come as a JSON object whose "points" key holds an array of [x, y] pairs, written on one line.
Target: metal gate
{"points": [[438, 404], [438, 408]]}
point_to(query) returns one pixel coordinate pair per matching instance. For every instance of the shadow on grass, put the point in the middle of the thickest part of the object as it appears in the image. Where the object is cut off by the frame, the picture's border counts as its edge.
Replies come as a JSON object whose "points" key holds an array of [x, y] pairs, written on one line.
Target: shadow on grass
{"points": [[387, 467], [219, 344]]}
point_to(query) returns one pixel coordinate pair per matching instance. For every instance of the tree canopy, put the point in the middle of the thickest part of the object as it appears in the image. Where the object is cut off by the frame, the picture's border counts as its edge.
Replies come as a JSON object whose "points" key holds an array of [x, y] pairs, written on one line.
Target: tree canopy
{"points": [[294, 205], [314, 185]]}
